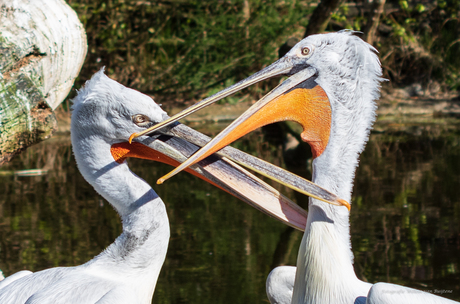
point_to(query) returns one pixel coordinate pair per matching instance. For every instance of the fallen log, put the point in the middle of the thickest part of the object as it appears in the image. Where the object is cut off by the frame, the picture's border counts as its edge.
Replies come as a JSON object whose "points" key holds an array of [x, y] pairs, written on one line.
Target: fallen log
{"points": [[42, 48]]}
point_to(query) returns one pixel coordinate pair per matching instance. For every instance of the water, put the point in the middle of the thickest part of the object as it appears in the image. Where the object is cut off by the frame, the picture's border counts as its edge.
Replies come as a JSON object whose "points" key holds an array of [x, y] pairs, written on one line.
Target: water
{"points": [[404, 221]]}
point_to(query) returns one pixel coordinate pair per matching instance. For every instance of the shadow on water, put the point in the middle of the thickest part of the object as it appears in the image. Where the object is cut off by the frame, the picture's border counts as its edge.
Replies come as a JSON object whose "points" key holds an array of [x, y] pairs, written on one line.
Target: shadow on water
{"points": [[404, 221]]}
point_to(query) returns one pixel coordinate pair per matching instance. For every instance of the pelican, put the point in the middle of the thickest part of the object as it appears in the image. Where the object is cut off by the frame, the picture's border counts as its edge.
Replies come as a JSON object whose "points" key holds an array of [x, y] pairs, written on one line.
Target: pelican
{"points": [[333, 85], [105, 113]]}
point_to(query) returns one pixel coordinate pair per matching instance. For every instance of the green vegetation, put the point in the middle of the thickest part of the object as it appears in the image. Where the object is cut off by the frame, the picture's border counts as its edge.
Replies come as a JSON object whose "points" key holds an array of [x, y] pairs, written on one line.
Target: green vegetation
{"points": [[185, 48], [188, 49], [421, 43]]}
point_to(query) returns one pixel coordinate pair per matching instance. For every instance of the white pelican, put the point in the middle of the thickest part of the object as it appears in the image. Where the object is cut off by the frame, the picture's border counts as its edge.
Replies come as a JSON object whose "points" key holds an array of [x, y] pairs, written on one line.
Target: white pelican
{"points": [[335, 80], [105, 113]]}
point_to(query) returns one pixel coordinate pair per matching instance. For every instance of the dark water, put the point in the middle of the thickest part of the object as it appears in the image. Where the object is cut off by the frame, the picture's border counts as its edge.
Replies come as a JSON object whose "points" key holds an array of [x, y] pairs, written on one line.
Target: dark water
{"points": [[405, 219]]}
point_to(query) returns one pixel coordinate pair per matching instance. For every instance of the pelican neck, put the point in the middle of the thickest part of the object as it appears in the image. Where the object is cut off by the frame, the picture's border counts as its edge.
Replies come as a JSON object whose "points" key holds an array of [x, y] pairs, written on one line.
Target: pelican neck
{"points": [[325, 271], [139, 252]]}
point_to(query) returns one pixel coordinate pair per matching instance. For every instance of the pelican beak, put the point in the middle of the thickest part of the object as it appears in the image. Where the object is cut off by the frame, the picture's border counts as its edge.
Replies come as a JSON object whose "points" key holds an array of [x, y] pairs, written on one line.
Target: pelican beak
{"points": [[299, 99], [281, 67], [262, 167], [217, 171]]}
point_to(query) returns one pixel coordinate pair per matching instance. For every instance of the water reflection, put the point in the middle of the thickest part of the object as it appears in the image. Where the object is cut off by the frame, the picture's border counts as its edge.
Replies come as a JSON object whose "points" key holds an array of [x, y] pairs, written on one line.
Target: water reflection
{"points": [[404, 218], [407, 212]]}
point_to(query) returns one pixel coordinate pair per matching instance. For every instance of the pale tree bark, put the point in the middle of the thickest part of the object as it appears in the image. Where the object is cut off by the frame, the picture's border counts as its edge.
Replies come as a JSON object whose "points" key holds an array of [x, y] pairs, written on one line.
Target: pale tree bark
{"points": [[42, 48], [373, 19], [321, 16]]}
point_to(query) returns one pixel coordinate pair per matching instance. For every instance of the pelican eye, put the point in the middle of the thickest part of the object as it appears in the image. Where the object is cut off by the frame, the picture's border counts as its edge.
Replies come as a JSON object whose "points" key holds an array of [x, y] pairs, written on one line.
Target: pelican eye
{"points": [[141, 120], [305, 51]]}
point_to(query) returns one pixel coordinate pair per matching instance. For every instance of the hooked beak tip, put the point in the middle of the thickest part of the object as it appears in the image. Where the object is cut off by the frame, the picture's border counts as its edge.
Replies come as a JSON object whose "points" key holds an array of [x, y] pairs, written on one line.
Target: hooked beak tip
{"points": [[160, 181], [345, 203], [134, 135]]}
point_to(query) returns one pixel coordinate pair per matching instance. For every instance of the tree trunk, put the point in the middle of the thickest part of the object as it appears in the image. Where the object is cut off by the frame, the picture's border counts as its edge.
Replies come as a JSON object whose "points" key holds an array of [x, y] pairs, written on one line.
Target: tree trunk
{"points": [[375, 10], [321, 16], [42, 48]]}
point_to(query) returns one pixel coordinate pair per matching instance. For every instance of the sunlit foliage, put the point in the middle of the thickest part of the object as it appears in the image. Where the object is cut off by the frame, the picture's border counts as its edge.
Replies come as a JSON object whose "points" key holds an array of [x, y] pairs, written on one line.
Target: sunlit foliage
{"points": [[186, 48]]}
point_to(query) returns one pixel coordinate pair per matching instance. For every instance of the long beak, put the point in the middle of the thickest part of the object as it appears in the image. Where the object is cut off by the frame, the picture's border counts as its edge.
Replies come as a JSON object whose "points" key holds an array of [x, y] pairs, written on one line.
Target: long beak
{"points": [[262, 167], [280, 67], [218, 171], [298, 99]]}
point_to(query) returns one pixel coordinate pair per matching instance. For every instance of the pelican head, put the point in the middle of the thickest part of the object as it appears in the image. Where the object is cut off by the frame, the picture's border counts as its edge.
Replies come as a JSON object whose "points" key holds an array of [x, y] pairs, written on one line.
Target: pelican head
{"points": [[111, 110]]}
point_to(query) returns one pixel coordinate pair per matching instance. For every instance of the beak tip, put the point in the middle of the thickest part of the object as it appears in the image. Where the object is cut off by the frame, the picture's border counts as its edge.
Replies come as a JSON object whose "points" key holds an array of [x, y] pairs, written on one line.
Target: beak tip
{"points": [[345, 203], [134, 135]]}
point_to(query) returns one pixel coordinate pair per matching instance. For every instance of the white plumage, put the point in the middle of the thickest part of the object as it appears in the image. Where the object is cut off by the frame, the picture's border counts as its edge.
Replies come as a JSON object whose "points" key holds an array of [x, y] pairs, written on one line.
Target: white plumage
{"points": [[280, 284]]}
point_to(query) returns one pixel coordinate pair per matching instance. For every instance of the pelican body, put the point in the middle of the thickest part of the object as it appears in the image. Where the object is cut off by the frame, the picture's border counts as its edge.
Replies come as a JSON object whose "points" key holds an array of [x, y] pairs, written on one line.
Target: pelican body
{"points": [[333, 85]]}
